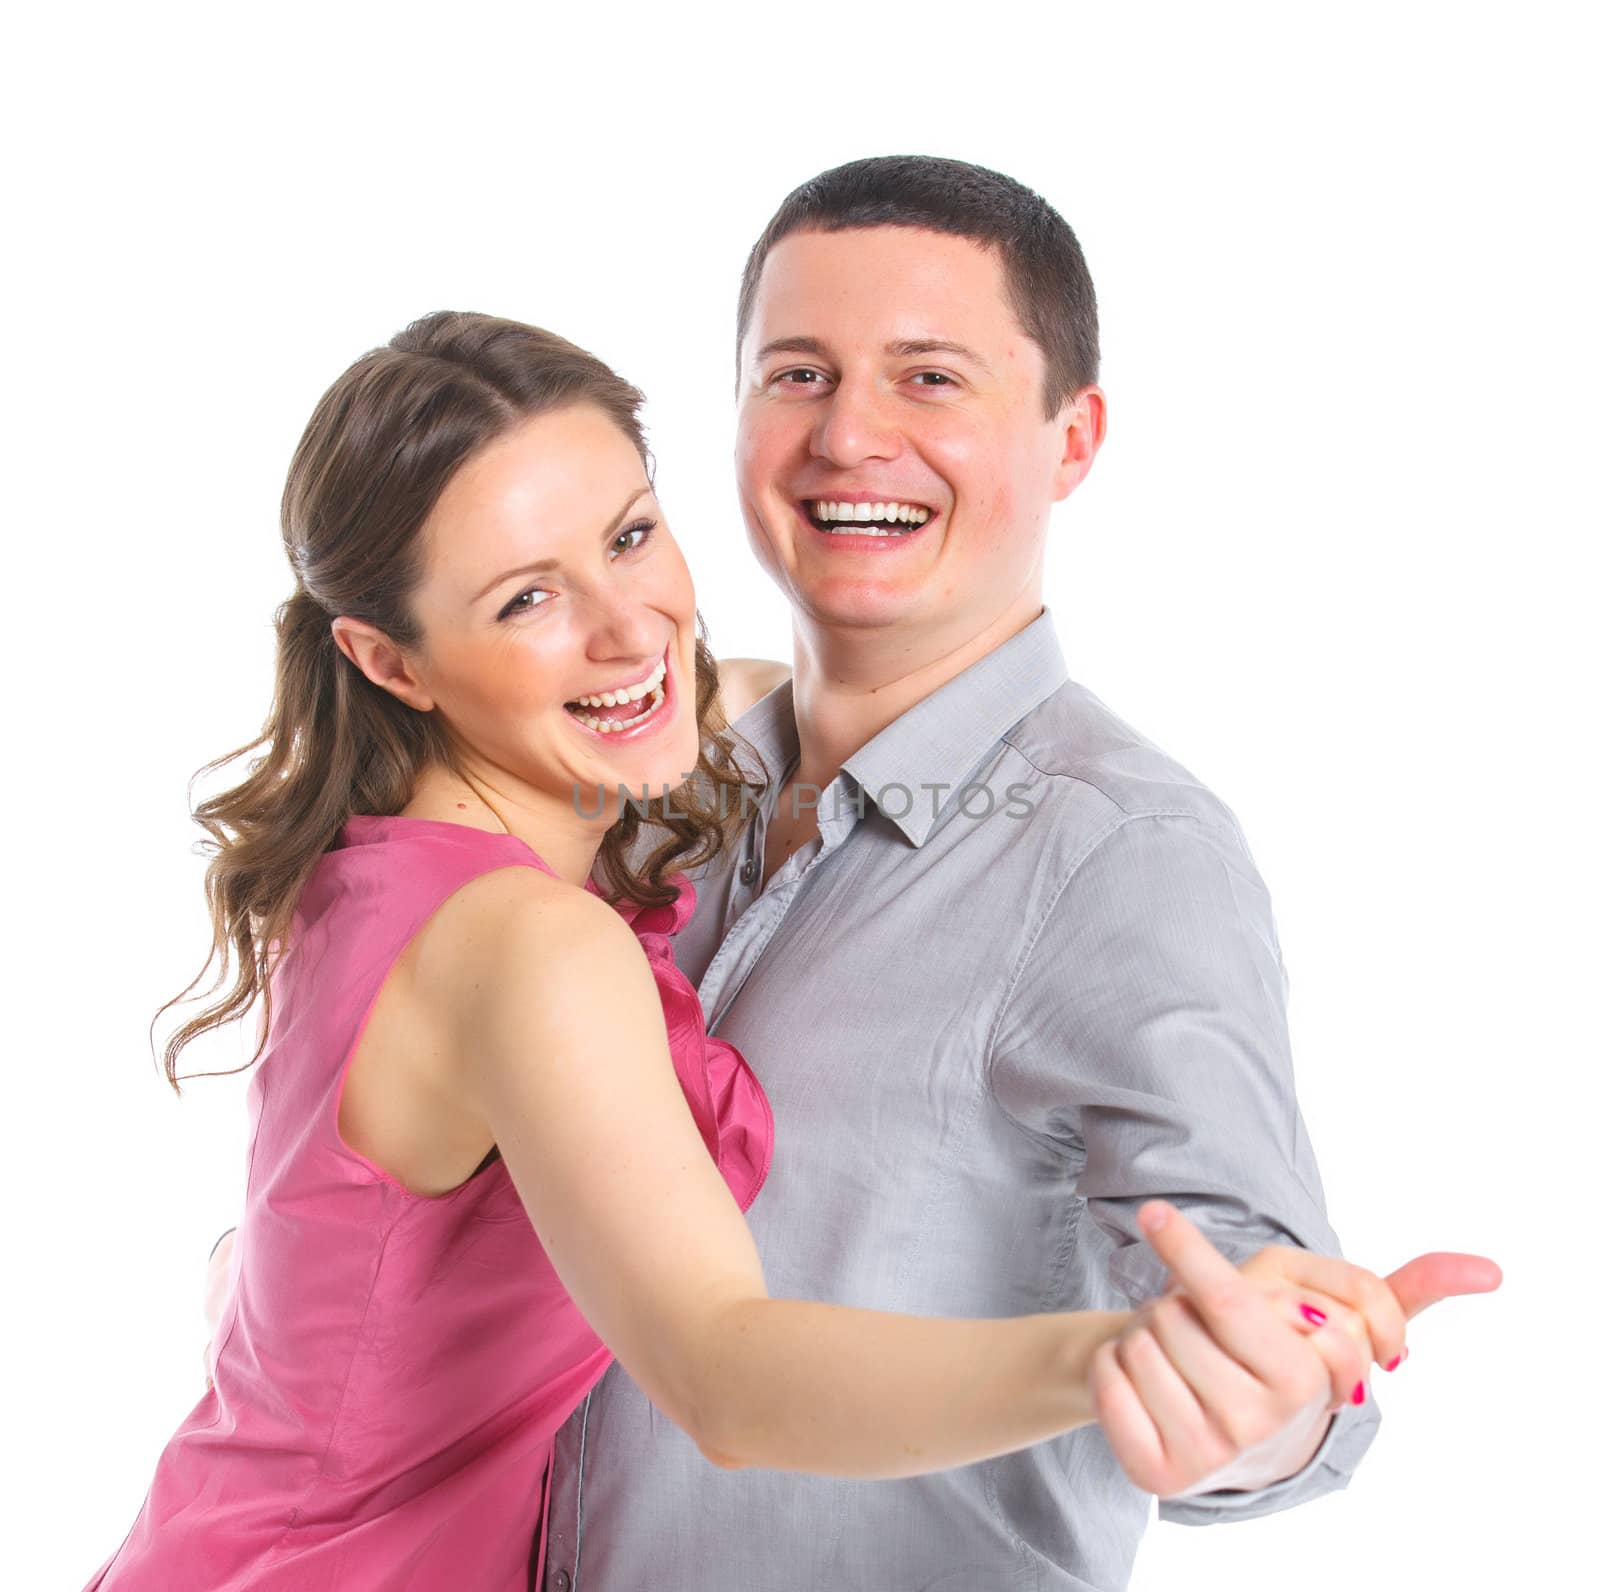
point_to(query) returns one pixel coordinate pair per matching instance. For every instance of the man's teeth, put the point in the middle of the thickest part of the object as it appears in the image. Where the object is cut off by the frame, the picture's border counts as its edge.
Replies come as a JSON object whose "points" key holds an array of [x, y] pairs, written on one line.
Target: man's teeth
{"points": [[885, 513], [632, 693]]}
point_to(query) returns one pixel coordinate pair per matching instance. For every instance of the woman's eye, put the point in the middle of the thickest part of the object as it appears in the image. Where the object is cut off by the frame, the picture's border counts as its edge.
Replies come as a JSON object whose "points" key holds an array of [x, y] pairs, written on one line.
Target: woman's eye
{"points": [[522, 603], [516, 605], [640, 528]]}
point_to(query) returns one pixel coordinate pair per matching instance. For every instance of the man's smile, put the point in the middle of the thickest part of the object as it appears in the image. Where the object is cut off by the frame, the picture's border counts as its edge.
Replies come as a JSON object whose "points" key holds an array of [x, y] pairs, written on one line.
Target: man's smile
{"points": [[855, 516]]}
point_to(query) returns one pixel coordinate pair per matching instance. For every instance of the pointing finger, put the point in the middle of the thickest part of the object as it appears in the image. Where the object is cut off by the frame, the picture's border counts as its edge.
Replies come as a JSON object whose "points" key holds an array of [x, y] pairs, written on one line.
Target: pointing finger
{"points": [[1190, 1257], [1234, 1310]]}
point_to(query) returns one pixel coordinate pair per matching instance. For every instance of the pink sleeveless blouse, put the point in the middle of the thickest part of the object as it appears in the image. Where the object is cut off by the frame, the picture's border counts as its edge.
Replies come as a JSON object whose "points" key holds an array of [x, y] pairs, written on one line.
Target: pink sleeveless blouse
{"points": [[391, 1368]]}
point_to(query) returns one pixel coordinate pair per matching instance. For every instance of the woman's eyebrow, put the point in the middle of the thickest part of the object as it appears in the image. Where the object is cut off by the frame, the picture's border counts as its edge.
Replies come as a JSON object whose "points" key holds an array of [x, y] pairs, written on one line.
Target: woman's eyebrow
{"points": [[543, 566]]}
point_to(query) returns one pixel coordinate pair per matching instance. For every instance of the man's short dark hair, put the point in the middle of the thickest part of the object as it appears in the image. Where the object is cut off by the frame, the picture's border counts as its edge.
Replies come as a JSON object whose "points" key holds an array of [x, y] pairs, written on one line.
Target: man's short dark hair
{"points": [[1048, 281]]}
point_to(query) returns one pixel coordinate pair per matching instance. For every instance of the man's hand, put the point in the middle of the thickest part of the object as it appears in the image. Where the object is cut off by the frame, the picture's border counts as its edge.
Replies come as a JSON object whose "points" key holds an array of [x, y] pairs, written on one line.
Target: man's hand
{"points": [[1215, 1382]]}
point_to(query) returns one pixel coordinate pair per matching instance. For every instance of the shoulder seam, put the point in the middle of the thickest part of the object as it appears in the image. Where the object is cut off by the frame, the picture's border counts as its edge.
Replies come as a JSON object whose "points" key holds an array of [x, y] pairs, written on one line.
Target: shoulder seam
{"points": [[1126, 811]]}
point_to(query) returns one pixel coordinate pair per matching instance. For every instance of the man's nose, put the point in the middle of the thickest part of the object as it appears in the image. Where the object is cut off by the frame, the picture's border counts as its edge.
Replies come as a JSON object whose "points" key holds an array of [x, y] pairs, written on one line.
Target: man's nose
{"points": [[855, 425]]}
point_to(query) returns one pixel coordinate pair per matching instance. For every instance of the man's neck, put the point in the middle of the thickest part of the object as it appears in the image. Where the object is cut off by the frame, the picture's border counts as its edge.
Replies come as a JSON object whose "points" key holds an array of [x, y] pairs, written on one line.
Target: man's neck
{"points": [[851, 683]]}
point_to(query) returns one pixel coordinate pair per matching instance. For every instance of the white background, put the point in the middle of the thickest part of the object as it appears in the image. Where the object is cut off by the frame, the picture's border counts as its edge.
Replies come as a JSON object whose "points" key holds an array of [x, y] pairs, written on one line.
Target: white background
{"points": [[1335, 556]]}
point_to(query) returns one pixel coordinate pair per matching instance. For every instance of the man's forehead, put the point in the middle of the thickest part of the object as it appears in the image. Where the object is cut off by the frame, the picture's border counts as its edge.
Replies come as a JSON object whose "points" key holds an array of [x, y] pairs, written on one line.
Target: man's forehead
{"points": [[906, 289]]}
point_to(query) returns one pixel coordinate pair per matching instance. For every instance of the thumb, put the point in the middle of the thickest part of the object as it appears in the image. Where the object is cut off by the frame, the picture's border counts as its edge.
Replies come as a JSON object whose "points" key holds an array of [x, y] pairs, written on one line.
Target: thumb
{"points": [[1441, 1274]]}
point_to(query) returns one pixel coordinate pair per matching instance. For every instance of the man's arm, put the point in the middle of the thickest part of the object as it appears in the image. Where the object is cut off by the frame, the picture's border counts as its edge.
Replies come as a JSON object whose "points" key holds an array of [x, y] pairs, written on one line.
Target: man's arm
{"points": [[1146, 1034]]}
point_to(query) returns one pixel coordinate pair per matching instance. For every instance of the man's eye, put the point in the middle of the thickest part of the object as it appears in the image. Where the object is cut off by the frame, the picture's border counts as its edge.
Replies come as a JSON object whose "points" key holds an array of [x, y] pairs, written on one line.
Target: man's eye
{"points": [[934, 378], [799, 378]]}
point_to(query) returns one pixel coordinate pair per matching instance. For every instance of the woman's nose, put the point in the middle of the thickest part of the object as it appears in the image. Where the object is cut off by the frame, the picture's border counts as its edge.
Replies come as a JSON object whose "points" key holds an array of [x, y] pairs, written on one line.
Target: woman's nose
{"points": [[625, 630]]}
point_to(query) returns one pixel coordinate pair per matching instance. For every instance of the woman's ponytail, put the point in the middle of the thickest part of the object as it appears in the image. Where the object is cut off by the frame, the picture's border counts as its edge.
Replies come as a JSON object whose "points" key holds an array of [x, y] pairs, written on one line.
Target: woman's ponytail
{"points": [[381, 446]]}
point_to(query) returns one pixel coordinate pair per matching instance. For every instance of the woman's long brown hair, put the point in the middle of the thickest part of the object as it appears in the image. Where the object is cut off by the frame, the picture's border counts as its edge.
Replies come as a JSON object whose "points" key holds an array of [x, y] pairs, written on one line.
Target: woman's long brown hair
{"points": [[384, 441]]}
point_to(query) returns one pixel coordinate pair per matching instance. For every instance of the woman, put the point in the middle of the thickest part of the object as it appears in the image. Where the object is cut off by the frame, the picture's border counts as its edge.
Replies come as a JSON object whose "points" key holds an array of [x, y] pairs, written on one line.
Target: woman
{"points": [[479, 1160]]}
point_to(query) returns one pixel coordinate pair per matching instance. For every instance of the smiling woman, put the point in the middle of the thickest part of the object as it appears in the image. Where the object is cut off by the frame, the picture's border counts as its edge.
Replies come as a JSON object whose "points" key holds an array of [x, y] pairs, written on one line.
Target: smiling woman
{"points": [[491, 1142], [375, 574]]}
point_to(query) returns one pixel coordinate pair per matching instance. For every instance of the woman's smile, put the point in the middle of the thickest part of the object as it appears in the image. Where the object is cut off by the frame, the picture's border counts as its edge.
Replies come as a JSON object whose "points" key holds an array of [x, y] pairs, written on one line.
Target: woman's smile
{"points": [[629, 713]]}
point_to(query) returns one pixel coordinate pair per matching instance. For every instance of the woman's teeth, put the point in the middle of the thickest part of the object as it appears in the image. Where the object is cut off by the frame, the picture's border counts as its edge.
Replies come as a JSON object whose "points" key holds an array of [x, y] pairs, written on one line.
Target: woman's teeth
{"points": [[630, 693], [610, 726], [878, 518], [651, 687]]}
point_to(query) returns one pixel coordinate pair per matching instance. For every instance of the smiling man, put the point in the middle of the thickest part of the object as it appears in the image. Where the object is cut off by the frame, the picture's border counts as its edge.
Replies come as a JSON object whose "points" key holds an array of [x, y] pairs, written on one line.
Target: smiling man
{"points": [[1005, 970]]}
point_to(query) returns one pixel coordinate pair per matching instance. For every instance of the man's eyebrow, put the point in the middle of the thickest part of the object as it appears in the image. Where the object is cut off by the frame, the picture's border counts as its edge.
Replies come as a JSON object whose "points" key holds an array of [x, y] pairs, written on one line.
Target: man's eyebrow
{"points": [[543, 566], [912, 347], [907, 348], [790, 345]]}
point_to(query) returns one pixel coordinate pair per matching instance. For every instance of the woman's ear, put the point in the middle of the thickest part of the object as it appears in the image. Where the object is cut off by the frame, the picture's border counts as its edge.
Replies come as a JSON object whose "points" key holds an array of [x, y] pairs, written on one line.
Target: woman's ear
{"points": [[381, 661]]}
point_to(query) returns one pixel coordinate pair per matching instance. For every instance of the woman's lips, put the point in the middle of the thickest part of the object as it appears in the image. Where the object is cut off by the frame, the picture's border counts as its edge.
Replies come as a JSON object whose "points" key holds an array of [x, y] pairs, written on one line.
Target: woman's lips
{"points": [[640, 729]]}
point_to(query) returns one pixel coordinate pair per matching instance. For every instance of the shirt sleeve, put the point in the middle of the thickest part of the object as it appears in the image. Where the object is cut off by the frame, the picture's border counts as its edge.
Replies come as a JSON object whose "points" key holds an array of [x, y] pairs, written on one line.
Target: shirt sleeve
{"points": [[1145, 1035]]}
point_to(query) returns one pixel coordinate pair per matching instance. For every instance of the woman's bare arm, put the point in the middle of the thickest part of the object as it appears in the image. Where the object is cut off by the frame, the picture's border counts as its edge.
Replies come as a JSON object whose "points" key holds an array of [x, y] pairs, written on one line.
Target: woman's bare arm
{"points": [[557, 1019]]}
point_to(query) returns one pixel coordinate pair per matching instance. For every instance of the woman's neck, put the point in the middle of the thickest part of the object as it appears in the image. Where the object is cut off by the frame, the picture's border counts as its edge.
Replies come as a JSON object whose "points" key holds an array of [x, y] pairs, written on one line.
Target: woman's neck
{"points": [[564, 840]]}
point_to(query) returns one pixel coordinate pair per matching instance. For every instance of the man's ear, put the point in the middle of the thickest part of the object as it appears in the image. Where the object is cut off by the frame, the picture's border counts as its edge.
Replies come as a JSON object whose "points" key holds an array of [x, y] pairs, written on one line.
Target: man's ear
{"points": [[381, 661], [1082, 423]]}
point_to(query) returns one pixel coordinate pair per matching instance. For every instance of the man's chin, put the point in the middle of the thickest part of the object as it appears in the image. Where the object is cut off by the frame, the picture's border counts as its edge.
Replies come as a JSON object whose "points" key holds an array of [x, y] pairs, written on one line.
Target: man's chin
{"points": [[836, 604]]}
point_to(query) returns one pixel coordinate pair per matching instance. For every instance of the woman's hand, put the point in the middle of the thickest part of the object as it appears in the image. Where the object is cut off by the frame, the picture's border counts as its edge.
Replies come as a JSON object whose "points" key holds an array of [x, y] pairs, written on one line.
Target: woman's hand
{"points": [[1226, 1381], [1357, 1317]]}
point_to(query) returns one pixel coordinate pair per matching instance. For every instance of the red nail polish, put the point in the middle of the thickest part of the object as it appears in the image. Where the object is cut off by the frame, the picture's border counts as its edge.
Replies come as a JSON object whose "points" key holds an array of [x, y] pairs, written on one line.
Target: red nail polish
{"points": [[1360, 1394], [1394, 1364], [1313, 1315]]}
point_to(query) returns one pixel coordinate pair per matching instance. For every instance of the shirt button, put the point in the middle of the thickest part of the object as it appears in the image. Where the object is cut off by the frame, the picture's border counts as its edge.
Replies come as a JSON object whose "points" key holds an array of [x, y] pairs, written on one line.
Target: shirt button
{"points": [[748, 872], [561, 1581]]}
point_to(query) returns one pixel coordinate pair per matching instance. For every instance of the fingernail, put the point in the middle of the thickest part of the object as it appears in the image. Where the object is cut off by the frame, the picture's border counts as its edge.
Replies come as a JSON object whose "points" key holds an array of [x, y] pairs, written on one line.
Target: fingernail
{"points": [[1313, 1315], [1360, 1394], [1157, 1219], [1394, 1364]]}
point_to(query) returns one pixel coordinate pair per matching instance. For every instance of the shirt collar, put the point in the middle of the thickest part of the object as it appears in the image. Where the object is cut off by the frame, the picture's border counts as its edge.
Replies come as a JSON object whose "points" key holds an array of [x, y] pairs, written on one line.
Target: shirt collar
{"points": [[941, 740]]}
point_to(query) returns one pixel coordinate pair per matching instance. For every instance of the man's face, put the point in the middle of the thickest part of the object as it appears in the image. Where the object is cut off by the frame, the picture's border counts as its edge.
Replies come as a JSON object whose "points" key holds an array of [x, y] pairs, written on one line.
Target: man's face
{"points": [[885, 366]]}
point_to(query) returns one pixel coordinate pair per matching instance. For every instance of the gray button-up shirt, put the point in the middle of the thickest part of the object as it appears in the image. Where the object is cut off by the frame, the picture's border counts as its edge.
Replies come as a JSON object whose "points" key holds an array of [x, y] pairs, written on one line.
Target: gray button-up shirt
{"points": [[1025, 978]]}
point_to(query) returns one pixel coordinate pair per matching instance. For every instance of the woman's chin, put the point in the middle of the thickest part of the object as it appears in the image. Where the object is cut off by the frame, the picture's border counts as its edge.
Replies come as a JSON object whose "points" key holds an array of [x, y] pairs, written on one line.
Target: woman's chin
{"points": [[646, 771]]}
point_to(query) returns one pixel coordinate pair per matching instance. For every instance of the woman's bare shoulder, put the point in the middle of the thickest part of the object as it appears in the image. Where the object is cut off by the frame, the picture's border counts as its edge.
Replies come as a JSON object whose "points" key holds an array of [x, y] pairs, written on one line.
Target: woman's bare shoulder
{"points": [[521, 923], [744, 681]]}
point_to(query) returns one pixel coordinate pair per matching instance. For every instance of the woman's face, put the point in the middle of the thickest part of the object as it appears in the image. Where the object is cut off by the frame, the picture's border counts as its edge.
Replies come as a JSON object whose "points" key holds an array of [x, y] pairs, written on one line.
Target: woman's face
{"points": [[549, 575]]}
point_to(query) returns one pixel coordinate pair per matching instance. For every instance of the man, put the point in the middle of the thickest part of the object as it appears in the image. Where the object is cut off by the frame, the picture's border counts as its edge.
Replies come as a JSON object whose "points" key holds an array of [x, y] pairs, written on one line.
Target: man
{"points": [[1004, 969]]}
